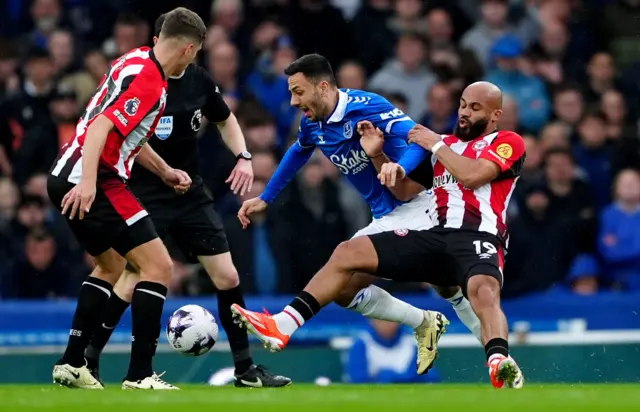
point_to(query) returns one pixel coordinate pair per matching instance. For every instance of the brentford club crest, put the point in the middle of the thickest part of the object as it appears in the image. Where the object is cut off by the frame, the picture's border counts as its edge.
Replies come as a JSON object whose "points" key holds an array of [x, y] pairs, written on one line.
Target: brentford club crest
{"points": [[480, 145], [401, 232]]}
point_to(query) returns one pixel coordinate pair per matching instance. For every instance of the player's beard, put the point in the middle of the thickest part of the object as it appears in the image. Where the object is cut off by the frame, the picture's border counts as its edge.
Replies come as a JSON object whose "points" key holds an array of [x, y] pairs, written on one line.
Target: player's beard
{"points": [[473, 131]]}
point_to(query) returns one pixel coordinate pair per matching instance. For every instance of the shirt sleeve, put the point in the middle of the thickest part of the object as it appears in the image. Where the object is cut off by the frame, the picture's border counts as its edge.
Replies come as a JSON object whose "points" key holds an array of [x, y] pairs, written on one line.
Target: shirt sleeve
{"points": [[215, 108], [507, 151], [137, 101], [297, 156]]}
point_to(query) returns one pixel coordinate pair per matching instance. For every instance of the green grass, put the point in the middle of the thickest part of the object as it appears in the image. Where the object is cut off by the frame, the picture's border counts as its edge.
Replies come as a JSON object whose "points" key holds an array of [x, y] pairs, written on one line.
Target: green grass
{"points": [[308, 398]]}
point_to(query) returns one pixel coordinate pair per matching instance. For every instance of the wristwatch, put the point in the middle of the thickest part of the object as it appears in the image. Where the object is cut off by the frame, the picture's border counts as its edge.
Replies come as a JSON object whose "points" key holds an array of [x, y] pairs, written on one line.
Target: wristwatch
{"points": [[244, 155]]}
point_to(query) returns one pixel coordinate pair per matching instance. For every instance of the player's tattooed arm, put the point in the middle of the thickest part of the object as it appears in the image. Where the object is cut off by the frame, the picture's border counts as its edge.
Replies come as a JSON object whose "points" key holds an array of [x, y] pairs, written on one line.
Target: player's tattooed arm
{"points": [[372, 142]]}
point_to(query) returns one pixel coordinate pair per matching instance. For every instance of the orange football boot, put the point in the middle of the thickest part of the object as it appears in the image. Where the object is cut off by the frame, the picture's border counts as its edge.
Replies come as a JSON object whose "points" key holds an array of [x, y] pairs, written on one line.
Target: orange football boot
{"points": [[505, 373], [263, 326]]}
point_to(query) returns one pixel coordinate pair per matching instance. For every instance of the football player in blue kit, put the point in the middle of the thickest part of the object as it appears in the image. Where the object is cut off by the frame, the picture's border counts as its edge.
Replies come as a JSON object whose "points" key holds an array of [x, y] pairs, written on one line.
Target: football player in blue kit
{"points": [[330, 124]]}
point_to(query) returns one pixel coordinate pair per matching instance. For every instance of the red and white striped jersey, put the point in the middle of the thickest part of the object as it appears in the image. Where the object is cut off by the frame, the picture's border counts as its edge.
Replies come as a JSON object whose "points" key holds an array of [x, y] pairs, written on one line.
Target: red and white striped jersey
{"points": [[133, 96], [483, 209]]}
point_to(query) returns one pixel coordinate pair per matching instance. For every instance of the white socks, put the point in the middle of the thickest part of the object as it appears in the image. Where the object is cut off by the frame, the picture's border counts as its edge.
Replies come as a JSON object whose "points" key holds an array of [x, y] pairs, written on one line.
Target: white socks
{"points": [[376, 303], [466, 314], [288, 320]]}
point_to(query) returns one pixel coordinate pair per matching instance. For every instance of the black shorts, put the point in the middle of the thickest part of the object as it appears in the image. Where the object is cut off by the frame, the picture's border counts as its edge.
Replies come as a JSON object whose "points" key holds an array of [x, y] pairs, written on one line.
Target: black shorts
{"points": [[116, 219], [443, 257], [191, 221]]}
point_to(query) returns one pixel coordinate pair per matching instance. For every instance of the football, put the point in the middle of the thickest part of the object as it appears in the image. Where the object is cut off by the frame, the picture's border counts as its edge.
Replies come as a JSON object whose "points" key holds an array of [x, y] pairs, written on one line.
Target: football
{"points": [[192, 330]]}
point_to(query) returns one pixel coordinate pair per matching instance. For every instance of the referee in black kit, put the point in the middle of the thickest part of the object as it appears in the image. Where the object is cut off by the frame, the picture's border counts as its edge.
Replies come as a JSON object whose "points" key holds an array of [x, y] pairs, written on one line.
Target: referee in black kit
{"points": [[190, 218]]}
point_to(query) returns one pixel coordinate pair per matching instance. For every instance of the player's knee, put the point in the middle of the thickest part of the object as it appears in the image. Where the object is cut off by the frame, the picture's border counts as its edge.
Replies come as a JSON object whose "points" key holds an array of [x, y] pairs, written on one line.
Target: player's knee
{"points": [[352, 255], [126, 284], [483, 290], [159, 270], [105, 273], [226, 279]]}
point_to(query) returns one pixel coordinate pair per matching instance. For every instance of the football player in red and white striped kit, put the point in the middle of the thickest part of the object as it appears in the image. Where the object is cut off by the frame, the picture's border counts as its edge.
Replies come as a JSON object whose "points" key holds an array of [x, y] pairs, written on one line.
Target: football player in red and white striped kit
{"points": [[89, 180], [475, 171]]}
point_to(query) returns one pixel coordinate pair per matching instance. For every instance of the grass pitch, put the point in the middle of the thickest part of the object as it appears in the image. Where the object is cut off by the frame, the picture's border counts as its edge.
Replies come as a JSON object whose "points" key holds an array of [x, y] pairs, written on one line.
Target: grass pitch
{"points": [[339, 398]]}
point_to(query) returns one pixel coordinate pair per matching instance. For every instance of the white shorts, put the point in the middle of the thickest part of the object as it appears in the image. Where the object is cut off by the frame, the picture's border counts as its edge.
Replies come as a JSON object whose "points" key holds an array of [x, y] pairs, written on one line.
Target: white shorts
{"points": [[412, 215]]}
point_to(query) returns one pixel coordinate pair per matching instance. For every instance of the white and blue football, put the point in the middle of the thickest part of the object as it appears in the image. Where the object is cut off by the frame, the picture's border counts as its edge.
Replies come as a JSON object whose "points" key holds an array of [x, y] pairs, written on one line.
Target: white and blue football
{"points": [[192, 330]]}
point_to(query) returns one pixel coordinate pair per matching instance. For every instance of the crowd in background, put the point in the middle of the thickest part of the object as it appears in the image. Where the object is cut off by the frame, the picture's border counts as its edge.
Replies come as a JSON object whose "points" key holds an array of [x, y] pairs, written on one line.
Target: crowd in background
{"points": [[568, 69]]}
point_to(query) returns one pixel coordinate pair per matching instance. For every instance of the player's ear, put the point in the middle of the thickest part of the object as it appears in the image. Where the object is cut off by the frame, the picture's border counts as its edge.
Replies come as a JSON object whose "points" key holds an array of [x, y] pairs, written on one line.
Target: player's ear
{"points": [[495, 116], [155, 40]]}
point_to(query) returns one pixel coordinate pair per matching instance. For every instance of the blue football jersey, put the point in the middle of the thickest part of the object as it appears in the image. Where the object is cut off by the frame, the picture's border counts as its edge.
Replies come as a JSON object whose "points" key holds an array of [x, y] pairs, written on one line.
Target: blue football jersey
{"points": [[338, 139]]}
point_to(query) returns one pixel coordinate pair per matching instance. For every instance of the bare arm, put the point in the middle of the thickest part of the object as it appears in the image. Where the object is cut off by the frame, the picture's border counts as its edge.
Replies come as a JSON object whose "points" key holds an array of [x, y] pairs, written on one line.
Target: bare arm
{"points": [[152, 161], [471, 173], [93, 145], [232, 134]]}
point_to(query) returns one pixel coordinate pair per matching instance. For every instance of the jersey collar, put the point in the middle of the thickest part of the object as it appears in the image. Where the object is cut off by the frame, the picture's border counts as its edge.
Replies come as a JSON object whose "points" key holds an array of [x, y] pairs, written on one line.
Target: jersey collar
{"points": [[341, 108], [178, 76]]}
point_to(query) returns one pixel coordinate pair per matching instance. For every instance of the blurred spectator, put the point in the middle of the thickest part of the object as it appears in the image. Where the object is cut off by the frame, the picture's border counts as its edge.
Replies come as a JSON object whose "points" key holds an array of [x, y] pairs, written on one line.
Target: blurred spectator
{"points": [[620, 24], [568, 105], [224, 64], [351, 75], [532, 166], [61, 47], [9, 80], [374, 38], [550, 55], [406, 74], [614, 107], [270, 87], [41, 275], [126, 36], [314, 224], [528, 91], [619, 240], [24, 114], [385, 353], [9, 198], [602, 77], [541, 245], [447, 60], [229, 15], [442, 114], [555, 135], [584, 275], [408, 17], [308, 22], [570, 197], [46, 16], [510, 119], [493, 25], [251, 249], [593, 155]]}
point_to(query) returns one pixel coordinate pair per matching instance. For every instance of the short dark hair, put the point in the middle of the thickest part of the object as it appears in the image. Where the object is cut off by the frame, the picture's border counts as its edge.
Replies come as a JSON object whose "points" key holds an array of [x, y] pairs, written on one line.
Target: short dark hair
{"points": [[127, 19], [157, 28], [596, 114], [313, 66], [182, 22], [560, 151]]}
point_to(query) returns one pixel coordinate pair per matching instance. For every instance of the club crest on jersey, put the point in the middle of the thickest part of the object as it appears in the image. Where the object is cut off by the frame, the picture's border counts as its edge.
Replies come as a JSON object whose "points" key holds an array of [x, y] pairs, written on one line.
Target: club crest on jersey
{"points": [[401, 232], [348, 129], [480, 145], [196, 120], [164, 127], [131, 106]]}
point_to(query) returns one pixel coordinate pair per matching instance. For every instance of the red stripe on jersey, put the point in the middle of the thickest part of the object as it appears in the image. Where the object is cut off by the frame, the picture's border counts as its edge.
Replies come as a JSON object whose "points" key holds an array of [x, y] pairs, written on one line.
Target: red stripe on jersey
{"points": [[500, 193], [472, 216]]}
